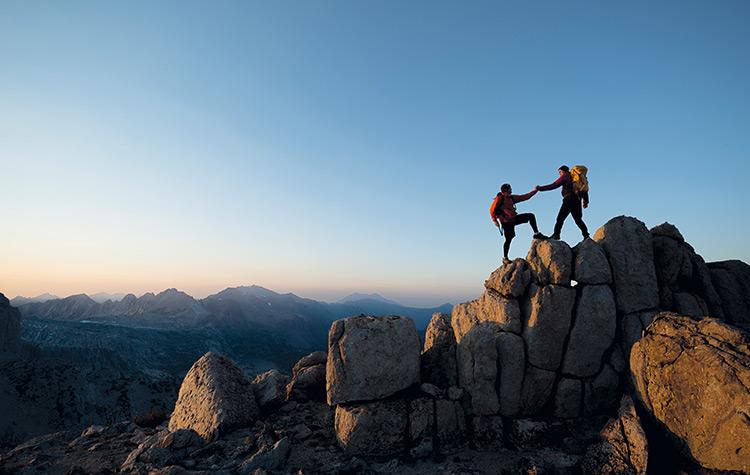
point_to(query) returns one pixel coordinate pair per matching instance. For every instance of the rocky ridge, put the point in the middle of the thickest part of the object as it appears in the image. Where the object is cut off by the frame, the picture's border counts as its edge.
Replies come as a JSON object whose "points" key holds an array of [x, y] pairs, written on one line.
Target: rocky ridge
{"points": [[528, 378]]}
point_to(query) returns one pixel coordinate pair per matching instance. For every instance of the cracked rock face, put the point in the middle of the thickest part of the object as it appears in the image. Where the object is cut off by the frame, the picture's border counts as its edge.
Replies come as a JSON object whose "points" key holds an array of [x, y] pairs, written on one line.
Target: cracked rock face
{"points": [[731, 280], [439, 354], [215, 397], [593, 331], [551, 262], [628, 245], [684, 279], [546, 324], [373, 429], [511, 280], [693, 376], [371, 358], [623, 448]]}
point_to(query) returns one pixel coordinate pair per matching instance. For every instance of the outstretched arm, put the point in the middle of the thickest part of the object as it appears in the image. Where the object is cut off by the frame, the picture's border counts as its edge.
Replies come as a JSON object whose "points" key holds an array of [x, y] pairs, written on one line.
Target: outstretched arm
{"points": [[555, 184], [519, 198]]}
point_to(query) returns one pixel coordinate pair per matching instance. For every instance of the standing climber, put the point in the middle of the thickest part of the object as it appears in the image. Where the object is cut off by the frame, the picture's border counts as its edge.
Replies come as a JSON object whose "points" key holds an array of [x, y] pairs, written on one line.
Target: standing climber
{"points": [[571, 203], [504, 209]]}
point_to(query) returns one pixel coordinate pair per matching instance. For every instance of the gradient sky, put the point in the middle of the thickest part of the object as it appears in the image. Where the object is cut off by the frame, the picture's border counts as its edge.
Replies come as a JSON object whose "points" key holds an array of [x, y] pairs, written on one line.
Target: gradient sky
{"points": [[326, 147]]}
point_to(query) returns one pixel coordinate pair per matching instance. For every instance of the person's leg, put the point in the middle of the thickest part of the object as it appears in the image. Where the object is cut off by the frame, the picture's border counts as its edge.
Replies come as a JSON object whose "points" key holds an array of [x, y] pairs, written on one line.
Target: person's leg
{"points": [[510, 233], [577, 211], [527, 218], [561, 215]]}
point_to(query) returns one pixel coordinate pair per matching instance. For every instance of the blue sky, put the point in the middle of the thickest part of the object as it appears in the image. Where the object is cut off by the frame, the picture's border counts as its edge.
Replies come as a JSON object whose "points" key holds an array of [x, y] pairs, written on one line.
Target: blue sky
{"points": [[328, 147]]}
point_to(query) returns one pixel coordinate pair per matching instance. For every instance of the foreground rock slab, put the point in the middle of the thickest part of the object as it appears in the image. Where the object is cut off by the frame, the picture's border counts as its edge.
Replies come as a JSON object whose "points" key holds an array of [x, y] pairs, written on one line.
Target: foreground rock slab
{"points": [[693, 376], [215, 397], [623, 448], [371, 358]]}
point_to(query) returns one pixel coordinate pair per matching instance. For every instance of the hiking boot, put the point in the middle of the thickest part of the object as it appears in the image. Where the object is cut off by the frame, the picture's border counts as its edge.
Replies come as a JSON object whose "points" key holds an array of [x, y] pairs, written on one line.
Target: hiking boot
{"points": [[539, 236], [506, 261]]}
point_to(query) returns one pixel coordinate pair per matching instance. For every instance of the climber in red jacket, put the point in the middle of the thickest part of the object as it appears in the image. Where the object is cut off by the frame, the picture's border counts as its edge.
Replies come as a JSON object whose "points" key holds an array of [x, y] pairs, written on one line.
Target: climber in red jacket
{"points": [[503, 209], [571, 202]]}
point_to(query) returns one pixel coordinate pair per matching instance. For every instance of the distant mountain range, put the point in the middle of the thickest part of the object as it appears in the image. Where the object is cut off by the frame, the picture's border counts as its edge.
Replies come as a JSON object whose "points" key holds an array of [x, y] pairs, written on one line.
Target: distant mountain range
{"points": [[167, 331]]}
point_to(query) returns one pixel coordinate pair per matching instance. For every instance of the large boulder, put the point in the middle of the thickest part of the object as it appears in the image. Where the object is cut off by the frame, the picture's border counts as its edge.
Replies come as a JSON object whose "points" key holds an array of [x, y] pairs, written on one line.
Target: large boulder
{"points": [[439, 354], [371, 358], [693, 376], [547, 323], [308, 378], [373, 429], [538, 385], [593, 331], [510, 280], [628, 245], [511, 361], [215, 397], [10, 326], [477, 369], [502, 313], [684, 279], [270, 389], [590, 264], [623, 448], [551, 262], [731, 279]]}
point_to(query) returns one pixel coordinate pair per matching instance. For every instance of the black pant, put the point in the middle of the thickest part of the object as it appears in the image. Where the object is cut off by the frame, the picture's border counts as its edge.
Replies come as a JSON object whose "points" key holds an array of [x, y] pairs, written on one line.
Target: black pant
{"points": [[571, 206], [510, 232]]}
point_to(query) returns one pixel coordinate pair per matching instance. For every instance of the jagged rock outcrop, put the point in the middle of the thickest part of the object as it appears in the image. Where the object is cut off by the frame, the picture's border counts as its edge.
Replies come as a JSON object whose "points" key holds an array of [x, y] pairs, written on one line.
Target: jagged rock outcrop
{"points": [[215, 397], [270, 389], [593, 331], [439, 353], [371, 358], [551, 262], [731, 280], [629, 248], [373, 429], [308, 378], [684, 278], [693, 376], [547, 320], [590, 265], [623, 448], [10, 327], [510, 281]]}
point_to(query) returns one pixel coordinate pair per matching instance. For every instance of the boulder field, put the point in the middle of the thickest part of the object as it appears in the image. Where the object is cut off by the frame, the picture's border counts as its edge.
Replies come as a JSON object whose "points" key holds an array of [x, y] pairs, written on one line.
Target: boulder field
{"points": [[568, 362]]}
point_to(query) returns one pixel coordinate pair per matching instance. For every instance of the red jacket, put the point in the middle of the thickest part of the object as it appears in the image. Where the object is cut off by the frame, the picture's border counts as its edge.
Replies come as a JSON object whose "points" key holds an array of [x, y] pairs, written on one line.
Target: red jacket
{"points": [[507, 212]]}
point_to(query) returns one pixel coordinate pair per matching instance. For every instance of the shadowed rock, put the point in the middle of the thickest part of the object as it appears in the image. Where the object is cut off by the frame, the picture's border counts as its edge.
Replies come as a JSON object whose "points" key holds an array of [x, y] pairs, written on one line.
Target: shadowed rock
{"points": [[215, 397], [623, 448], [684, 279], [629, 249], [10, 326], [371, 358], [731, 280], [546, 324], [308, 378], [593, 331], [439, 354], [590, 265], [374, 429], [693, 376], [511, 360], [270, 389], [477, 369]]}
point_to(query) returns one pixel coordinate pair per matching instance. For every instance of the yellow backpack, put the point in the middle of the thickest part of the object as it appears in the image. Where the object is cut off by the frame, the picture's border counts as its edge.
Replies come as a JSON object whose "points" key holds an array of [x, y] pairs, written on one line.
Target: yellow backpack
{"points": [[580, 182]]}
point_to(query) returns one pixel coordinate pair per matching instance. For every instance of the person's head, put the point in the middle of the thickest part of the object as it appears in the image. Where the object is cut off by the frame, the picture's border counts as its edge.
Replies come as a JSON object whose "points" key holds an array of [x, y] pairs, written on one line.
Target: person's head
{"points": [[505, 188], [563, 169]]}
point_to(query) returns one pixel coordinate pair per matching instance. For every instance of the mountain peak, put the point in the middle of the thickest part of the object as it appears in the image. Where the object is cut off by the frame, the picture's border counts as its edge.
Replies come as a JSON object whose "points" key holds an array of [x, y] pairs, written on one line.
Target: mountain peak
{"points": [[356, 296]]}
